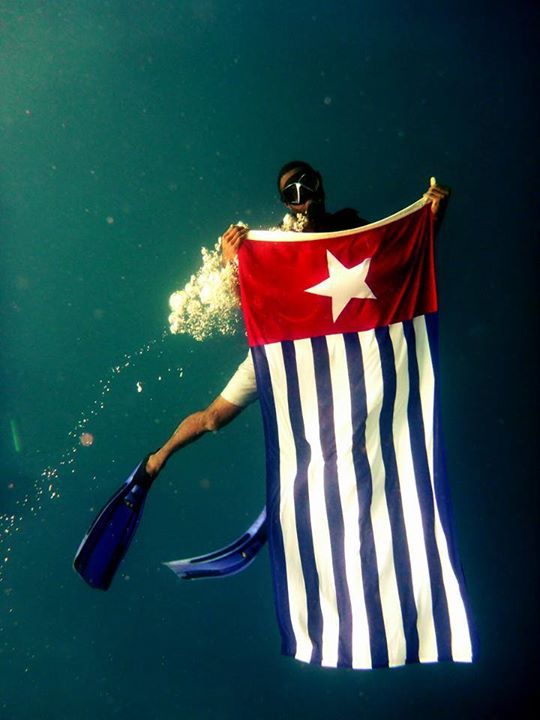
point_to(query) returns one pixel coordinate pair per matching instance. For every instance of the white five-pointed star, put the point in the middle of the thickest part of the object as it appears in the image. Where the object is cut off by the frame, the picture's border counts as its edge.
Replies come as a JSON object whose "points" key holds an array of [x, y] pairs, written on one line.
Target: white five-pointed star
{"points": [[343, 284]]}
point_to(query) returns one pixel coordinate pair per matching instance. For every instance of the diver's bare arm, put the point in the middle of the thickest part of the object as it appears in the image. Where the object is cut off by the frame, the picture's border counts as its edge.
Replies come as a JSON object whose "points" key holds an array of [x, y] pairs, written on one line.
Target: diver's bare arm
{"points": [[217, 415]]}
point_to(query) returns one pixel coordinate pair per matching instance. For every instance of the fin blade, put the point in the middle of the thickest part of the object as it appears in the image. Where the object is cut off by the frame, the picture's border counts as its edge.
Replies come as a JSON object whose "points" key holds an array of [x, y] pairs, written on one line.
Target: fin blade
{"points": [[109, 537]]}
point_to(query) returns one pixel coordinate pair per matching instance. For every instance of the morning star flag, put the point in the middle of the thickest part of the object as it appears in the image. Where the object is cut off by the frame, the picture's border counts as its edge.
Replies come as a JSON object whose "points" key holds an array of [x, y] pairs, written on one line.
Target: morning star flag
{"points": [[343, 332]]}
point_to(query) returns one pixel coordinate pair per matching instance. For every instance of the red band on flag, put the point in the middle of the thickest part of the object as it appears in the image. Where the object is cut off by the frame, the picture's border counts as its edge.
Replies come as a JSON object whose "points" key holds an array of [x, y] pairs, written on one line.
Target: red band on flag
{"points": [[339, 282]]}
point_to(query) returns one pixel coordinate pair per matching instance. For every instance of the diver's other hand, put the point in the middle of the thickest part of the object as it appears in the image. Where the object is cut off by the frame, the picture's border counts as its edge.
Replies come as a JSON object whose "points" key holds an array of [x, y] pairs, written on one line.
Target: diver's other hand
{"points": [[155, 463], [231, 240], [438, 196]]}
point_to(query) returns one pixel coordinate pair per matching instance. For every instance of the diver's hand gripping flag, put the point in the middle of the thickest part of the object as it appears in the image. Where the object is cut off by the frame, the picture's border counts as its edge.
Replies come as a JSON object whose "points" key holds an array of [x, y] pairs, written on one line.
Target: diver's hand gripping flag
{"points": [[343, 333]]}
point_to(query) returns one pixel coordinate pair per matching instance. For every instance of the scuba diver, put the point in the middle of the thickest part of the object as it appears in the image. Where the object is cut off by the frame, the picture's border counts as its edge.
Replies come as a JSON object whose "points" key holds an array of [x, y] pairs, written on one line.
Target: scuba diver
{"points": [[301, 190], [364, 567]]}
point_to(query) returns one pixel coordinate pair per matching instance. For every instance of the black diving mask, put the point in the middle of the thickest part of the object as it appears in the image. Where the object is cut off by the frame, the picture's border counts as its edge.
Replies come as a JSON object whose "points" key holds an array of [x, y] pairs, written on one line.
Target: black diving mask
{"points": [[303, 186]]}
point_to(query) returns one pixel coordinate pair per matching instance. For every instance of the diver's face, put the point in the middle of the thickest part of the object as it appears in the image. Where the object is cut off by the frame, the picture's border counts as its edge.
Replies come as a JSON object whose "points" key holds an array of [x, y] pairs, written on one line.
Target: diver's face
{"points": [[295, 176]]}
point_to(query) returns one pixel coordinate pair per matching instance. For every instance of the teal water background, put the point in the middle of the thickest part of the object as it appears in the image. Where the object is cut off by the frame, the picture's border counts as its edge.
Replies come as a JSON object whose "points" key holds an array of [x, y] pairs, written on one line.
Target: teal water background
{"points": [[133, 133]]}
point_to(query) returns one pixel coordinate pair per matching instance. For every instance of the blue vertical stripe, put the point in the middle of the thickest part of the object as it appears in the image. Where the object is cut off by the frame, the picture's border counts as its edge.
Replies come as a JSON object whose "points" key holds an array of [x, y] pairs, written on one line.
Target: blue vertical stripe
{"points": [[442, 487], [393, 496], [332, 498], [425, 496], [275, 537], [368, 555], [301, 502]]}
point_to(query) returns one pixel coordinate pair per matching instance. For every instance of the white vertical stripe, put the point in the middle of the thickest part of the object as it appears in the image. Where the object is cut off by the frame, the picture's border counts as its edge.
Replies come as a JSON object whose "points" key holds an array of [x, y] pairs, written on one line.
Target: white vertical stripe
{"points": [[287, 474], [341, 391], [382, 531], [412, 514], [317, 505], [461, 640]]}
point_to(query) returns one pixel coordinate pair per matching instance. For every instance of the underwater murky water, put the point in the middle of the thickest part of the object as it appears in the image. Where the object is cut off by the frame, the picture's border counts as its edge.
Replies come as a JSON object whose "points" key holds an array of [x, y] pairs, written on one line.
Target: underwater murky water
{"points": [[132, 135]]}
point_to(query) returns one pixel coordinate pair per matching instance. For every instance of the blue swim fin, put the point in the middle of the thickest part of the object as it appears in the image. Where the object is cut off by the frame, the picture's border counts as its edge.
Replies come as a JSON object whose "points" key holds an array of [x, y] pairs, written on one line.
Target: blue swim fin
{"points": [[229, 560], [109, 536]]}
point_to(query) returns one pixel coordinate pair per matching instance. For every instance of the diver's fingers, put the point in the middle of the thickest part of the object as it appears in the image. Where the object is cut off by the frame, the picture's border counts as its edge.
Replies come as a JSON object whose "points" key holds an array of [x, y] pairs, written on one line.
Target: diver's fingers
{"points": [[229, 232], [236, 240], [240, 234], [437, 193], [234, 232]]}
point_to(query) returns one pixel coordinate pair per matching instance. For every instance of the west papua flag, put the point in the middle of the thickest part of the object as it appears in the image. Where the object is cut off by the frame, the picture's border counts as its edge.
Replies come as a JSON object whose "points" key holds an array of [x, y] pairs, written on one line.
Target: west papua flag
{"points": [[343, 332]]}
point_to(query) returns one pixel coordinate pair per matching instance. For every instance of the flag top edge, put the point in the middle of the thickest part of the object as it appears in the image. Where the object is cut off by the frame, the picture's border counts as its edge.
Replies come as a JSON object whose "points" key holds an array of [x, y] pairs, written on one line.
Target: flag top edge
{"points": [[280, 235]]}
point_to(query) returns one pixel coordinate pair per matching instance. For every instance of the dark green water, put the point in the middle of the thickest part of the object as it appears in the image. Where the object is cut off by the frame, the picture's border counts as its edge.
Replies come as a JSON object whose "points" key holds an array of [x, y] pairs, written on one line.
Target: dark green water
{"points": [[132, 133]]}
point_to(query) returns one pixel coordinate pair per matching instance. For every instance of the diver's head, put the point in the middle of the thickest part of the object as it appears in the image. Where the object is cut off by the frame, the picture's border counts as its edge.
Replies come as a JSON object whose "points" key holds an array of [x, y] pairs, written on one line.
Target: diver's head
{"points": [[301, 188]]}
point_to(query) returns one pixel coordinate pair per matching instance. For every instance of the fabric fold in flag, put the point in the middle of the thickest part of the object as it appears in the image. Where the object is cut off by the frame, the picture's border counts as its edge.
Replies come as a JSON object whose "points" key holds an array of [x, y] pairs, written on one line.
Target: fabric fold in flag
{"points": [[343, 332]]}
